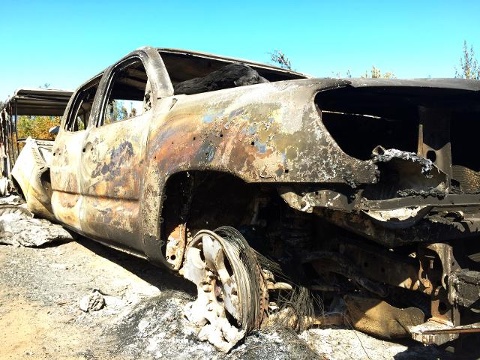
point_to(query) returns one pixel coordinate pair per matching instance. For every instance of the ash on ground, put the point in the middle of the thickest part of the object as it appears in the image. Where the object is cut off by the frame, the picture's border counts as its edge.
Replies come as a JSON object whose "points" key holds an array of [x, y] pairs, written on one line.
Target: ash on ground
{"points": [[141, 316]]}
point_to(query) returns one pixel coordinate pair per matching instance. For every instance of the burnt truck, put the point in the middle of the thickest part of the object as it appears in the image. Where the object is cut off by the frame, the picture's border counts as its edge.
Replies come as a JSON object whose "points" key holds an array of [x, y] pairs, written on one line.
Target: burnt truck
{"points": [[281, 197]]}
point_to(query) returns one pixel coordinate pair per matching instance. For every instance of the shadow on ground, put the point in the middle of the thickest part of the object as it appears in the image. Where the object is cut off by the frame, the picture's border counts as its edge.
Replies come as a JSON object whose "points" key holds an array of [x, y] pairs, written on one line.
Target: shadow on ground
{"points": [[157, 276]]}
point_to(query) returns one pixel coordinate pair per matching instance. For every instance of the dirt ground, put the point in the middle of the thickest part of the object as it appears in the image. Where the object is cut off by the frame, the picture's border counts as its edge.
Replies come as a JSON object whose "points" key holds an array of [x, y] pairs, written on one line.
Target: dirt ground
{"points": [[40, 317]]}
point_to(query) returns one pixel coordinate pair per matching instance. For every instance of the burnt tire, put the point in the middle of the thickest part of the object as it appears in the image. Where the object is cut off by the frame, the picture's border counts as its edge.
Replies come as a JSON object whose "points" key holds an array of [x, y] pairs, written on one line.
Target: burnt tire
{"points": [[232, 296]]}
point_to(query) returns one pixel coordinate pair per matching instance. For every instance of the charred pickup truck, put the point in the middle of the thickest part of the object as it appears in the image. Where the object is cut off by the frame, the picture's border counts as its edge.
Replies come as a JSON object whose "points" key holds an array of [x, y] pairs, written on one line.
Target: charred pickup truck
{"points": [[267, 188]]}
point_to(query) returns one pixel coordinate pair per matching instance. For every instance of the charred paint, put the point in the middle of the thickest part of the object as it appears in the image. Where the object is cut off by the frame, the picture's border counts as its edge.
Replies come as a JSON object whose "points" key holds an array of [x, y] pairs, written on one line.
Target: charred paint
{"points": [[113, 166], [254, 141]]}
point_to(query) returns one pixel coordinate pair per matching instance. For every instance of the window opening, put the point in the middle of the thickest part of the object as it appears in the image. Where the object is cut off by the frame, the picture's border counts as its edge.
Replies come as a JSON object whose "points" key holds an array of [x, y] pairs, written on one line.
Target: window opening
{"points": [[128, 95], [82, 108]]}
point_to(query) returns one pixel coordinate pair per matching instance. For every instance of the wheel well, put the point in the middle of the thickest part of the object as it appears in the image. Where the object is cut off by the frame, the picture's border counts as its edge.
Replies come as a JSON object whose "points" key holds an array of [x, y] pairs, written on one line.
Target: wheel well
{"points": [[206, 200], [17, 187]]}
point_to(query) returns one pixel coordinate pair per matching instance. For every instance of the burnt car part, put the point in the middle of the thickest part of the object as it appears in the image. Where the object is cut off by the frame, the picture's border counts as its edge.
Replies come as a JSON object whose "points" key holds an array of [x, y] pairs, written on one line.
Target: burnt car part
{"points": [[342, 262], [232, 297], [433, 332], [229, 76], [32, 171]]}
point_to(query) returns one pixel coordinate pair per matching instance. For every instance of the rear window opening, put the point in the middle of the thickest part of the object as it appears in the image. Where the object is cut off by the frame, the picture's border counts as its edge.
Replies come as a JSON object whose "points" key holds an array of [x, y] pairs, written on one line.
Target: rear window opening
{"points": [[195, 73]]}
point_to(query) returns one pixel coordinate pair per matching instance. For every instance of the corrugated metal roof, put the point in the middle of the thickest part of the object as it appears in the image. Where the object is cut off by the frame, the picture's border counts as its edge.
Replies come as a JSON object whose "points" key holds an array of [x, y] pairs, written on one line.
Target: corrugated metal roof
{"points": [[50, 102]]}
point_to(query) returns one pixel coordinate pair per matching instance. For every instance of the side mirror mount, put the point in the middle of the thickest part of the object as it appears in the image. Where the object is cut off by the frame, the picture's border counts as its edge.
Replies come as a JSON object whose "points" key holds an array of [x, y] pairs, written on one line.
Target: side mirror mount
{"points": [[54, 130]]}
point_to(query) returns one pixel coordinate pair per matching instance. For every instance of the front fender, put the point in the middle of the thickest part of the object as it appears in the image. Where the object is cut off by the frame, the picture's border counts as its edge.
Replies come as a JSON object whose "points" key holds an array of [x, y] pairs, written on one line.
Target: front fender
{"points": [[31, 173]]}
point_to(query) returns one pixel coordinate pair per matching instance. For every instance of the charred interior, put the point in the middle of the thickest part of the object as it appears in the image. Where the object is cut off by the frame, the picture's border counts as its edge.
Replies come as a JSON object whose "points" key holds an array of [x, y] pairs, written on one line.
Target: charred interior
{"points": [[182, 66], [359, 129], [436, 124]]}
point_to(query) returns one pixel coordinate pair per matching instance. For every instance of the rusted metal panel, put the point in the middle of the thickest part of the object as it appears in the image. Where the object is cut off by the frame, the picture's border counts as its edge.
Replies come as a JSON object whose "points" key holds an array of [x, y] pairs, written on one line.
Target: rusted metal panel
{"points": [[112, 159], [465, 288], [67, 208], [279, 137], [66, 155], [31, 166]]}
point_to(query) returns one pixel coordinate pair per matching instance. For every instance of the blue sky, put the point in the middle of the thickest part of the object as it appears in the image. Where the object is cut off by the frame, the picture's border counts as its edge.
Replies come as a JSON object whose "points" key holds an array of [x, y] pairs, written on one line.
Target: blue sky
{"points": [[64, 43]]}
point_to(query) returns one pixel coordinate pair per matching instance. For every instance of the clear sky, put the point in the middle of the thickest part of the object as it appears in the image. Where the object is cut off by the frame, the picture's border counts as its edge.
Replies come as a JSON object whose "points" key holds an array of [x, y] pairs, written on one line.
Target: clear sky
{"points": [[64, 43]]}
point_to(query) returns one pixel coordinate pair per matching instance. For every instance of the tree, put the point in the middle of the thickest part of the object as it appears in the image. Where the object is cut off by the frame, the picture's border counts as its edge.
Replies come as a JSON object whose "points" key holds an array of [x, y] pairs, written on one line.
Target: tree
{"points": [[279, 58], [470, 69], [116, 111], [36, 127], [375, 73]]}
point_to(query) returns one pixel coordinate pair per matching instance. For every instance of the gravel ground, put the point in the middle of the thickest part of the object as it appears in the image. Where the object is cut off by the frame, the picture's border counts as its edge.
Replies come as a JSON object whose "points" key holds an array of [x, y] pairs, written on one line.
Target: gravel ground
{"points": [[41, 291]]}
